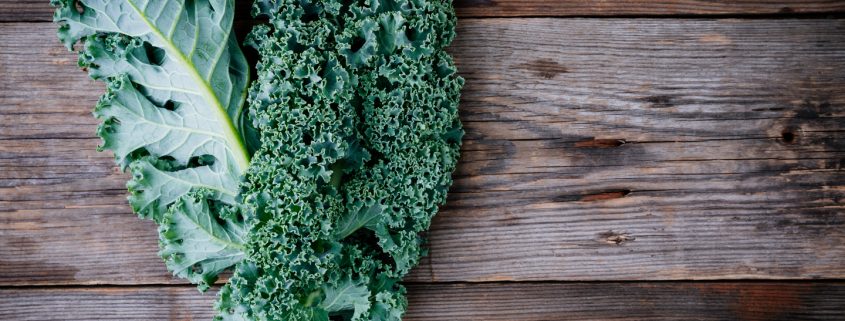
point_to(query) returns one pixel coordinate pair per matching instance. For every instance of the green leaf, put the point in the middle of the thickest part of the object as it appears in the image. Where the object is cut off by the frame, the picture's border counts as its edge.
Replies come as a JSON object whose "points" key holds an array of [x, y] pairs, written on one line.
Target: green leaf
{"points": [[201, 57], [363, 94], [359, 214], [390, 35], [301, 313], [177, 85], [155, 186], [362, 33], [195, 245], [174, 115], [134, 122], [346, 295], [388, 307], [228, 307]]}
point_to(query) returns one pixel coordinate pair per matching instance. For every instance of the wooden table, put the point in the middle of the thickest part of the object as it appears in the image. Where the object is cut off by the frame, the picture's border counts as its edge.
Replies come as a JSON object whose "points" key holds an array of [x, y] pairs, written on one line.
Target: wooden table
{"points": [[624, 159]]}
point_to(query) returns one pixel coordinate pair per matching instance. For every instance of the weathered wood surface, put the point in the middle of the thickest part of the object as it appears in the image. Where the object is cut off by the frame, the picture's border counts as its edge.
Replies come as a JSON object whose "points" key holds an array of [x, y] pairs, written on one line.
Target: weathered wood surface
{"points": [[611, 150], [716, 146], [40, 10], [544, 301], [516, 8]]}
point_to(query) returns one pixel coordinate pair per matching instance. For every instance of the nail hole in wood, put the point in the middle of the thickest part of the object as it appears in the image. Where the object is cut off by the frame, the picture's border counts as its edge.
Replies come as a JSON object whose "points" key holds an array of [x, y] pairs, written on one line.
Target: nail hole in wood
{"points": [[789, 135]]}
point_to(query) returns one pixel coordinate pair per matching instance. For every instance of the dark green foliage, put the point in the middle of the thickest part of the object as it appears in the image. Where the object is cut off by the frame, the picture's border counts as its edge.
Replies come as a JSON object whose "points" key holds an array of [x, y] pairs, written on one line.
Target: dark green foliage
{"points": [[353, 126], [357, 106]]}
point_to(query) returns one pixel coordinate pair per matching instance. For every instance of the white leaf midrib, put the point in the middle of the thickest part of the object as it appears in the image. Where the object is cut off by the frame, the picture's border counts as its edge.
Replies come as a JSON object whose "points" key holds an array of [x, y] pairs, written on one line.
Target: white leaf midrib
{"points": [[233, 139]]}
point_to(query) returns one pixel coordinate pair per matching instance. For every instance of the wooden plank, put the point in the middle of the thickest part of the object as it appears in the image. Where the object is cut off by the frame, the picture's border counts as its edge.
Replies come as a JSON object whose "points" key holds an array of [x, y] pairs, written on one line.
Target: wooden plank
{"points": [[107, 303], [496, 301], [626, 301], [731, 165], [42, 11], [39, 10], [522, 8], [609, 150]]}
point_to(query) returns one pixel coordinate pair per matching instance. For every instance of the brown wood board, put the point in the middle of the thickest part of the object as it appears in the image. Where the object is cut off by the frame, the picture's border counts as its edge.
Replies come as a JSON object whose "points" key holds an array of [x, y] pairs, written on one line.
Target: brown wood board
{"points": [[41, 10], [608, 150], [493, 301]]}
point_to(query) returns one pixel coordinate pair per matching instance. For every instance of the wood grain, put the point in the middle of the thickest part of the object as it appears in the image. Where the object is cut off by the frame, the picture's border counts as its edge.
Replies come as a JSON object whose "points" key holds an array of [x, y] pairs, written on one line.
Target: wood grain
{"points": [[563, 8], [496, 301], [607, 150], [40, 10], [107, 303], [646, 149]]}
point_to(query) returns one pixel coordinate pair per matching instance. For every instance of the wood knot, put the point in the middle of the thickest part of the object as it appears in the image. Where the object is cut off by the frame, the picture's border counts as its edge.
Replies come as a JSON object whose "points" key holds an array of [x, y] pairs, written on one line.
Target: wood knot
{"points": [[615, 238], [543, 68], [659, 101]]}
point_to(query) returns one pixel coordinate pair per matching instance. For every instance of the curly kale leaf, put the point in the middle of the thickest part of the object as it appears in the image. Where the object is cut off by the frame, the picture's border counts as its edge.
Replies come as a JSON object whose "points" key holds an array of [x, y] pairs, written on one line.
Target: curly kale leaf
{"points": [[192, 237], [347, 295], [357, 107], [174, 115]]}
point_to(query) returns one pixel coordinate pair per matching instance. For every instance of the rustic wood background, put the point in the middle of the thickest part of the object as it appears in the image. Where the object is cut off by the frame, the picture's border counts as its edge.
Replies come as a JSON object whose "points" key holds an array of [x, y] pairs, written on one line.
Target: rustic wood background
{"points": [[624, 159]]}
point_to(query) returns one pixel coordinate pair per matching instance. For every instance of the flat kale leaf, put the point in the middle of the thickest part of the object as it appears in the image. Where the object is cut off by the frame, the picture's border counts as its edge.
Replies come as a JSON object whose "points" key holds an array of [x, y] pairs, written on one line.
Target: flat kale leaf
{"points": [[174, 115], [196, 245]]}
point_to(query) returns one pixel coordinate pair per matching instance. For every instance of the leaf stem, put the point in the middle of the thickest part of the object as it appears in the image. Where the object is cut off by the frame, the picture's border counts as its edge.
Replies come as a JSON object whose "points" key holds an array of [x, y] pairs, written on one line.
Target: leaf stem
{"points": [[313, 295]]}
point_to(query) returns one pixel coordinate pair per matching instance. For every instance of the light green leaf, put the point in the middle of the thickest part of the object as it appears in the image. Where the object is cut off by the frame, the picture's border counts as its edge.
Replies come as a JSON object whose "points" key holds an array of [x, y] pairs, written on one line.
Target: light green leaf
{"points": [[388, 307], [389, 303], [199, 55], [173, 114], [133, 122], [390, 35], [301, 313], [155, 186], [346, 295], [191, 237], [228, 307], [177, 86], [359, 214]]}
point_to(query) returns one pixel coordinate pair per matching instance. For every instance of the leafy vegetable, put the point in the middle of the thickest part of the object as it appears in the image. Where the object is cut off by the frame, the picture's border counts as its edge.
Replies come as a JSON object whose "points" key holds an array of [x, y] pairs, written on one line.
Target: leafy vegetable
{"points": [[316, 193], [357, 107], [191, 237], [174, 115]]}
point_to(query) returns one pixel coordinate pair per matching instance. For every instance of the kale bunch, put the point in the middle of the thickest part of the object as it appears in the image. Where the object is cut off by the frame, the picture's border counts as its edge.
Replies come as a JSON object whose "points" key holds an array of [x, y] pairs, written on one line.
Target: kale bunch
{"points": [[313, 183], [356, 102]]}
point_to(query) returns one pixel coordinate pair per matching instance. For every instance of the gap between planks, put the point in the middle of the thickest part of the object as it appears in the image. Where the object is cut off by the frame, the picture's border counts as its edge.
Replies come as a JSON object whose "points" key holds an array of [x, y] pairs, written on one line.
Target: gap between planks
{"points": [[41, 11], [494, 301]]}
